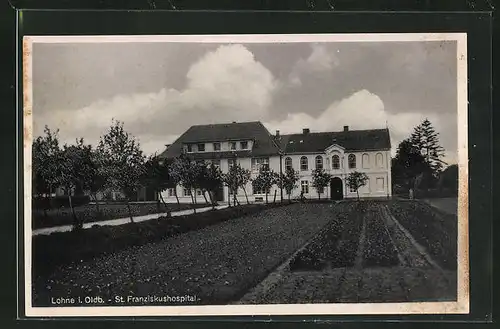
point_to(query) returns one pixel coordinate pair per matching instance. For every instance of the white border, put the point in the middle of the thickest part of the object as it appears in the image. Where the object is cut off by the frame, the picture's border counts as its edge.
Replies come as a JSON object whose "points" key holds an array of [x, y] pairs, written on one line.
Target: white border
{"points": [[461, 306]]}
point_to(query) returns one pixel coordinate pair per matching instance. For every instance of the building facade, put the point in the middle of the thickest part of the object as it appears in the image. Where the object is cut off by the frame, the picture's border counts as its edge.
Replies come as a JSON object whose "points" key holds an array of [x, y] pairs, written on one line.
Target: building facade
{"points": [[252, 146]]}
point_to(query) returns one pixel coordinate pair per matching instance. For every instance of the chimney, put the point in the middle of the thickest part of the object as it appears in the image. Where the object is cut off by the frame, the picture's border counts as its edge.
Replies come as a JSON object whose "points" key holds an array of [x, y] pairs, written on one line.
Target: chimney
{"points": [[277, 133], [167, 145], [305, 131], [346, 128]]}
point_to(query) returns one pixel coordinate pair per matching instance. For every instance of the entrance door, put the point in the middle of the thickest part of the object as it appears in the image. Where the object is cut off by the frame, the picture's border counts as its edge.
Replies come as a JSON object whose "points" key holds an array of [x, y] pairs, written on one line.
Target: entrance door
{"points": [[336, 189]]}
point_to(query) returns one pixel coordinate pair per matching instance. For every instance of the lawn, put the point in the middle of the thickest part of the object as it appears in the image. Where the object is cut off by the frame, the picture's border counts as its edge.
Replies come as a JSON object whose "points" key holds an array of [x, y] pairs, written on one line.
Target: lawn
{"points": [[217, 263], [88, 213]]}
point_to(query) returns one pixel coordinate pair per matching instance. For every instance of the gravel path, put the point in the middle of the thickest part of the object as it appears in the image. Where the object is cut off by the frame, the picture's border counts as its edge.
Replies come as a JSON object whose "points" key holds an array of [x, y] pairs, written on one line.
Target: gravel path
{"points": [[215, 265]]}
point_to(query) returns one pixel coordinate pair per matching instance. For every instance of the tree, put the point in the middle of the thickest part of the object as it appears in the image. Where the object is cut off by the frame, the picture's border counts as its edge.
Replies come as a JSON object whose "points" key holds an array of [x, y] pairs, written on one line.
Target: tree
{"points": [[448, 179], [237, 178], [408, 165], [75, 170], [45, 167], [95, 180], [288, 181], [321, 179], [186, 172], [156, 177], [425, 139], [123, 161], [212, 181], [355, 180], [265, 180]]}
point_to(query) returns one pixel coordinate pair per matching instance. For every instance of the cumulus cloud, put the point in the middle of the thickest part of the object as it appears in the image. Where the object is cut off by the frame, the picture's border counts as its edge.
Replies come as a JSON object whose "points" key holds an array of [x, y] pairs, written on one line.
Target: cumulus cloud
{"points": [[321, 60], [224, 85], [360, 110]]}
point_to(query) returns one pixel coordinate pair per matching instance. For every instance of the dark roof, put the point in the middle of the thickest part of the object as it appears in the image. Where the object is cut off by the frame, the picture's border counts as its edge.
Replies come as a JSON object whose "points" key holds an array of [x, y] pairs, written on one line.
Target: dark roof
{"points": [[352, 140], [263, 141]]}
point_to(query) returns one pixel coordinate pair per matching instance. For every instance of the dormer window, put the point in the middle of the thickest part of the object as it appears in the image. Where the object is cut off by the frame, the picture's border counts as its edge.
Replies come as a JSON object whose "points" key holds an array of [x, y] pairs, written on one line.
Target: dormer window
{"points": [[189, 148], [232, 145], [216, 146], [244, 145], [201, 147]]}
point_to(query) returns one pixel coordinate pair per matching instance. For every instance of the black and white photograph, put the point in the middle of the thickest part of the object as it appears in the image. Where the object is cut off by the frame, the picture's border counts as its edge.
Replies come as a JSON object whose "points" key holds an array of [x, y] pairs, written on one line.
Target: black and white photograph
{"points": [[245, 174]]}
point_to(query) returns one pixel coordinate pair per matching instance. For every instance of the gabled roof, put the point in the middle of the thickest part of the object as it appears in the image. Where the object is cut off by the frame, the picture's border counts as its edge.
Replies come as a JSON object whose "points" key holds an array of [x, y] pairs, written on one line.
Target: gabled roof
{"points": [[351, 140], [263, 141]]}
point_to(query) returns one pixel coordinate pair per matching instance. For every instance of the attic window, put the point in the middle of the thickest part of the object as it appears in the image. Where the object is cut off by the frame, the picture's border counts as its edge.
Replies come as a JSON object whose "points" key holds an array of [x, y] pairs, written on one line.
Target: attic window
{"points": [[301, 141], [291, 142]]}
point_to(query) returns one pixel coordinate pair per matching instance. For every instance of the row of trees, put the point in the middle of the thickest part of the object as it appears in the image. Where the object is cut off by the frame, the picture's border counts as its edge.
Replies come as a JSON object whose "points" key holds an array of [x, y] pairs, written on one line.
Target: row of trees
{"points": [[418, 161]]}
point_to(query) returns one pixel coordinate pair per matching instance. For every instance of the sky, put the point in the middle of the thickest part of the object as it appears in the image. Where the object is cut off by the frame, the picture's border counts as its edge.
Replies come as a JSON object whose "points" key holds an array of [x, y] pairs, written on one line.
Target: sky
{"points": [[158, 90]]}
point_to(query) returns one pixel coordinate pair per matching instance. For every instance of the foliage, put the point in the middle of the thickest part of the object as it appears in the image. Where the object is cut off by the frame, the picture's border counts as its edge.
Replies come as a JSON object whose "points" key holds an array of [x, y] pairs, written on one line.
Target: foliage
{"points": [[288, 181], [123, 161], [187, 173], [321, 179], [355, 180], [211, 181], [409, 165], [426, 140], [45, 170], [448, 179], [236, 178], [265, 181]]}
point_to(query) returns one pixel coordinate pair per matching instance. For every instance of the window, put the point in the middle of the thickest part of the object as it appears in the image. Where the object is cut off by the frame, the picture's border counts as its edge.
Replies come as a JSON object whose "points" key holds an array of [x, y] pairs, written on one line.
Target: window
{"points": [[319, 162], [379, 160], [201, 147], [304, 165], [244, 145], [198, 192], [304, 186], [366, 161], [259, 164], [380, 184], [187, 192], [171, 192], [216, 146], [288, 163], [189, 148], [352, 161], [232, 145], [335, 162]]}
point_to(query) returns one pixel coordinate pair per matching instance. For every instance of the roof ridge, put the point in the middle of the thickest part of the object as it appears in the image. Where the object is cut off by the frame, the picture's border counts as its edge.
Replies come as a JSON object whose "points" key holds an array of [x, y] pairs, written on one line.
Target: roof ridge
{"points": [[334, 132], [224, 123]]}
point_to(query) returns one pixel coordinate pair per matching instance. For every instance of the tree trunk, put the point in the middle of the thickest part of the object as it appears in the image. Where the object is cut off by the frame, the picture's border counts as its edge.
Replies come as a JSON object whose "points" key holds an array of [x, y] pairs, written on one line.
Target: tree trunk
{"points": [[234, 198], [51, 205], [275, 192], [211, 200], [319, 196], [193, 202], [76, 223], [246, 196], [130, 211], [357, 192], [177, 198], [266, 197], [289, 198], [97, 205], [204, 196], [169, 213]]}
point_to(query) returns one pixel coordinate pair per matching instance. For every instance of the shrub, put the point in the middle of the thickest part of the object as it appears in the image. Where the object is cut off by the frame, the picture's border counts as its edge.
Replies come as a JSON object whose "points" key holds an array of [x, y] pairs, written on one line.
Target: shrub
{"points": [[59, 201]]}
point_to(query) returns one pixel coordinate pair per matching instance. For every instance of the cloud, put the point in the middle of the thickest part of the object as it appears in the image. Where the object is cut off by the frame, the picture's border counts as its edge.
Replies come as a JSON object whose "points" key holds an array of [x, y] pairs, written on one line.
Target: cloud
{"points": [[360, 110], [226, 84], [320, 61]]}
